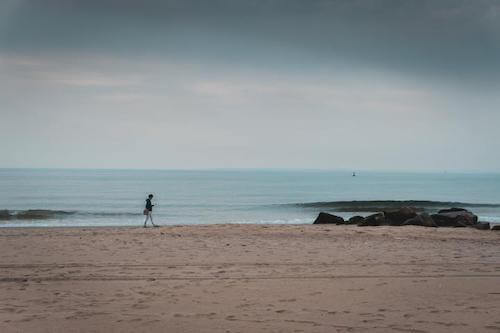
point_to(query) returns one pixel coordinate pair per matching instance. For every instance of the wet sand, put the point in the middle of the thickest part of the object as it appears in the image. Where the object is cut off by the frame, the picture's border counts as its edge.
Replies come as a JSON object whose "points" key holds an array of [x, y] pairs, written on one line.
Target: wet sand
{"points": [[249, 278]]}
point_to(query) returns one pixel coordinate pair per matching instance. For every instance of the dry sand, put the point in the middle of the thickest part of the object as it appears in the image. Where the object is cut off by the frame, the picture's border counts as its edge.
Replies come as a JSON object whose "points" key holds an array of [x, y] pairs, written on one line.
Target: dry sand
{"points": [[249, 278]]}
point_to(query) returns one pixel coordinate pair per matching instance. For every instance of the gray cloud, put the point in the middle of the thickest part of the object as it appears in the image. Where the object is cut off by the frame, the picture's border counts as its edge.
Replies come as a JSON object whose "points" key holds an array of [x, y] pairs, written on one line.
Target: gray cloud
{"points": [[456, 39], [284, 83]]}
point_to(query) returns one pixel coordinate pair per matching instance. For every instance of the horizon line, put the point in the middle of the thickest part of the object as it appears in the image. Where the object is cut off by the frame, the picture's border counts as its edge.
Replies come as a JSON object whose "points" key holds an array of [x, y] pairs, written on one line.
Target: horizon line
{"points": [[423, 171]]}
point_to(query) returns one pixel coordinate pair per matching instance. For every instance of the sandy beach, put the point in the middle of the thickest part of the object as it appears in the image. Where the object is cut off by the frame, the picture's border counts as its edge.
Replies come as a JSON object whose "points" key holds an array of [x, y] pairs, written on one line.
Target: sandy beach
{"points": [[249, 278]]}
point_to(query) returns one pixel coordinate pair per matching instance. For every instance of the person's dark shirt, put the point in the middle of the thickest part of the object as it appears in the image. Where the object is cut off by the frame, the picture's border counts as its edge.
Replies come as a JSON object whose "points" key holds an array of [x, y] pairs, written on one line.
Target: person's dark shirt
{"points": [[149, 206]]}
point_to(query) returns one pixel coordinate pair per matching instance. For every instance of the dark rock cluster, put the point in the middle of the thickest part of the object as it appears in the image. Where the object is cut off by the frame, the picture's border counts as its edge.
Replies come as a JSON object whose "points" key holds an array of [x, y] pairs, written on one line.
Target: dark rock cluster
{"points": [[453, 217]]}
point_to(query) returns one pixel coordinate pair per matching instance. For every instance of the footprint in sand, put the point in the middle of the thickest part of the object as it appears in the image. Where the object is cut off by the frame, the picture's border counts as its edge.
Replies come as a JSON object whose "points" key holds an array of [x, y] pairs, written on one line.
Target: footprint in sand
{"points": [[323, 311], [371, 320], [491, 327], [136, 319]]}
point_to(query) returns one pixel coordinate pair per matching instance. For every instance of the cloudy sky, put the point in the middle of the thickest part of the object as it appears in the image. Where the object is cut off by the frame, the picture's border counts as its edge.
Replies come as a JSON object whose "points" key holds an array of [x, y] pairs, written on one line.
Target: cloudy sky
{"points": [[336, 84]]}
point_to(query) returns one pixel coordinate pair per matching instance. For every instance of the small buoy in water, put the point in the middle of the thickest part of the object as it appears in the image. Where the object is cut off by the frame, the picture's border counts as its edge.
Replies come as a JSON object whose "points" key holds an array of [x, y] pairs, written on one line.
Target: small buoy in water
{"points": [[354, 174]]}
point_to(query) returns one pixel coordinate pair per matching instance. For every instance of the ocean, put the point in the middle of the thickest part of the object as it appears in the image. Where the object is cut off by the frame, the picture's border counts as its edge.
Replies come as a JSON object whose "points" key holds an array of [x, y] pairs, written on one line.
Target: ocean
{"points": [[72, 197]]}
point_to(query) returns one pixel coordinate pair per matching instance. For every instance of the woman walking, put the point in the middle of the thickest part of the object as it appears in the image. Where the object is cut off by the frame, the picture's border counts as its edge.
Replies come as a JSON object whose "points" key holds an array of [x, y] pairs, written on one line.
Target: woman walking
{"points": [[148, 211]]}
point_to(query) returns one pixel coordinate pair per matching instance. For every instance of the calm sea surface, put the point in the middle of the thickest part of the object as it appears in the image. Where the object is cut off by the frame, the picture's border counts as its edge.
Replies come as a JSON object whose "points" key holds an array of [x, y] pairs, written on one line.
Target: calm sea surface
{"points": [[117, 197]]}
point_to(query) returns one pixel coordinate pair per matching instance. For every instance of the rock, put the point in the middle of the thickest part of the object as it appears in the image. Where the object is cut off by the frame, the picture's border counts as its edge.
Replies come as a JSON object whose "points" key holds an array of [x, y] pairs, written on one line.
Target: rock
{"points": [[325, 218], [356, 220], [482, 226], [399, 216], [373, 220], [454, 217], [424, 220], [428, 221], [453, 209], [496, 227], [5, 214]]}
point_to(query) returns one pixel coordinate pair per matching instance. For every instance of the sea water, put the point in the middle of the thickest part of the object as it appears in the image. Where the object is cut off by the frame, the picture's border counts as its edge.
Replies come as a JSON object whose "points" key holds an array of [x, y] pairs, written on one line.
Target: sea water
{"points": [[117, 197]]}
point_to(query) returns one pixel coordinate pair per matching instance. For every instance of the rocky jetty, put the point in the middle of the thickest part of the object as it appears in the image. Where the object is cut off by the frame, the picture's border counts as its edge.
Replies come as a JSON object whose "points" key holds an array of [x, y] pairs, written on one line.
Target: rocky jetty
{"points": [[451, 217]]}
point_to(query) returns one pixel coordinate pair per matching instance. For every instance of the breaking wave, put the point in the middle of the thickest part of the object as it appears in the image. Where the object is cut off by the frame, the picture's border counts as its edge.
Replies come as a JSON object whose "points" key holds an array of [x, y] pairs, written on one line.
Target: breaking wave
{"points": [[381, 205], [47, 214]]}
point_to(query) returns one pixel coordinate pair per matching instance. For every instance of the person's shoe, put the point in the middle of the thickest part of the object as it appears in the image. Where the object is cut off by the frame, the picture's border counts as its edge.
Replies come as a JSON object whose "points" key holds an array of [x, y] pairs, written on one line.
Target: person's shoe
{"points": [[144, 226], [156, 225]]}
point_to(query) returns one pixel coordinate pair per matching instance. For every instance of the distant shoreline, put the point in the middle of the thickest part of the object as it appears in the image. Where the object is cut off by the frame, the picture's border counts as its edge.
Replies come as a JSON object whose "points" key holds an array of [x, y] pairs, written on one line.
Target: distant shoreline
{"points": [[166, 226]]}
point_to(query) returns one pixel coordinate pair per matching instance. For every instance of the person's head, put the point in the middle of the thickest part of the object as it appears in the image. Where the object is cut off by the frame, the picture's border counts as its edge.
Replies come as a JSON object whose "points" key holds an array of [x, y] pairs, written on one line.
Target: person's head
{"points": [[150, 196]]}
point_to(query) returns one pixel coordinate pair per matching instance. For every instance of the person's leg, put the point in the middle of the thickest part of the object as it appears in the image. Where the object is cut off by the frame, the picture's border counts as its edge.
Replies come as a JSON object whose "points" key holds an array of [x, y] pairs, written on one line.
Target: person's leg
{"points": [[146, 220], [151, 218]]}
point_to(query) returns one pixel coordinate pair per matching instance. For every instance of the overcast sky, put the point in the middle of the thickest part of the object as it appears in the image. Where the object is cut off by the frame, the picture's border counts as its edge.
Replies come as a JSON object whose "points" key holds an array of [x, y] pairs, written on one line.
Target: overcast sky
{"points": [[340, 84]]}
